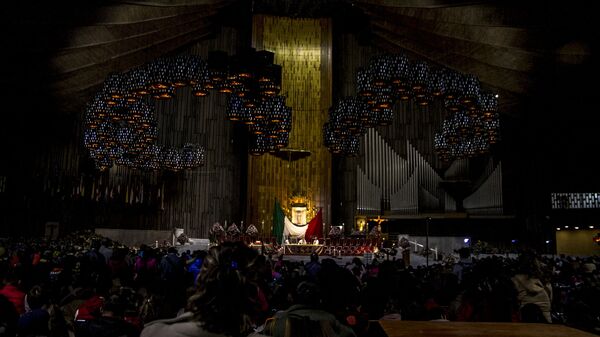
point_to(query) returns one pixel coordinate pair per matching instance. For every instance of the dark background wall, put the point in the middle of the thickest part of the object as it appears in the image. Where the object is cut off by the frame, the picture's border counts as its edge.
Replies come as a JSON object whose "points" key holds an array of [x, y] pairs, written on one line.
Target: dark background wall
{"points": [[50, 177], [541, 57]]}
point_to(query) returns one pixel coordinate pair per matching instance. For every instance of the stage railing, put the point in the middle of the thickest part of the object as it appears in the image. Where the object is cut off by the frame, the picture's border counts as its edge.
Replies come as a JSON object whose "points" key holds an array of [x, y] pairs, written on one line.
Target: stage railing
{"points": [[337, 246], [434, 250]]}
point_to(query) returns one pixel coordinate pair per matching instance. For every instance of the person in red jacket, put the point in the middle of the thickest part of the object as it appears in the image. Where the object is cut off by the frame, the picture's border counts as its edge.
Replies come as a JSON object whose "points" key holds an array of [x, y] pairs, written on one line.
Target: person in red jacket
{"points": [[12, 292]]}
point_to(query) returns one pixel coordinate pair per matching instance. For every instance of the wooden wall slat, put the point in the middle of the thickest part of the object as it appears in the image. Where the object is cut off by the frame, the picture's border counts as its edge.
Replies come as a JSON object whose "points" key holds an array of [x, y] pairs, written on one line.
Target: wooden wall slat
{"points": [[192, 200]]}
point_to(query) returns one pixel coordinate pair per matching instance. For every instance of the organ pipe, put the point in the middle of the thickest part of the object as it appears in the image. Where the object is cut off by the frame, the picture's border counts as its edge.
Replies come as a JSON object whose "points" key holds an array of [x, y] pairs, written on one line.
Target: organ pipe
{"points": [[487, 199], [398, 180]]}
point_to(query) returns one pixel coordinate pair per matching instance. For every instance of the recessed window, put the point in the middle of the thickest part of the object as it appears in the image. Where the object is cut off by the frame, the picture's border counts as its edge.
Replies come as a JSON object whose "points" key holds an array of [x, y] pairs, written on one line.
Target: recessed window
{"points": [[575, 200]]}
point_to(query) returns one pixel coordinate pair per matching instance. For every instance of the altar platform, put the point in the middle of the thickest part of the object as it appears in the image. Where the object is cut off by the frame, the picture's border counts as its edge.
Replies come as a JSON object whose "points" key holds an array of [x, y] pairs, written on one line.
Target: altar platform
{"points": [[308, 249], [334, 247], [300, 249]]}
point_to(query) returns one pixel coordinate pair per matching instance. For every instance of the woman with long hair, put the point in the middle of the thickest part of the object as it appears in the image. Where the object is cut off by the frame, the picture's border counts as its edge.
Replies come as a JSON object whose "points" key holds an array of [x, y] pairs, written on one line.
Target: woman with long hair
{"points": [[225, 300]]}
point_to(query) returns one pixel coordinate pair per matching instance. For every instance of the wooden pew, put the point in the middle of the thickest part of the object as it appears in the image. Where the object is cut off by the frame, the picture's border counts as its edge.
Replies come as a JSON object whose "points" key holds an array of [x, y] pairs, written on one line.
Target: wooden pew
{"points": [[398, 328]]}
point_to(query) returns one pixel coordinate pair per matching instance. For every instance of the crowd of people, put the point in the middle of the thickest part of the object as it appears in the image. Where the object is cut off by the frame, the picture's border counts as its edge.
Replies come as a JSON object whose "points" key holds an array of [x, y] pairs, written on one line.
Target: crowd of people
{"points": [[85, 285]]}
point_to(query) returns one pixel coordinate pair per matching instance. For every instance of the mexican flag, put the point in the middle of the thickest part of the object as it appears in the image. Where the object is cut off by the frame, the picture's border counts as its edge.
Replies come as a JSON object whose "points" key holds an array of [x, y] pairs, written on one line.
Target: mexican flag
{"points": [[315, 227]]}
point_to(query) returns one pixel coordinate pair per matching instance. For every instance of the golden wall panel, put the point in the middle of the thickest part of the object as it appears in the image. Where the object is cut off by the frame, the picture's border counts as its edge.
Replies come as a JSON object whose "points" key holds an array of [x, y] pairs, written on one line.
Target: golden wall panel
{"points": [[577, 242], [303, 49]]}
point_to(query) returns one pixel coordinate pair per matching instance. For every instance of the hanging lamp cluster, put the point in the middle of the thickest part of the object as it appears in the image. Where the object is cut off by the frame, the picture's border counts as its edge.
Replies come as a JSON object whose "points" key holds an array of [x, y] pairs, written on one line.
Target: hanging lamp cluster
{"points": [[469, 132], [253, 83], [120, 125], [120, 122], [472, 121]]}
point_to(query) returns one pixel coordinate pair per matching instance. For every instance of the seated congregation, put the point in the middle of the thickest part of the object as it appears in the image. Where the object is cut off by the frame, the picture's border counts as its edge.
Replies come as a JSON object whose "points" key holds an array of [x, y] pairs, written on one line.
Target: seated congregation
{"points": [[84, 285]]}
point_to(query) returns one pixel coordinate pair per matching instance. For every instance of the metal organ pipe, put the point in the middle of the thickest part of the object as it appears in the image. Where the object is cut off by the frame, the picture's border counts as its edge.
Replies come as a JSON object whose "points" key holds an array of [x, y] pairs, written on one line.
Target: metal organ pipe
{"points": [[368, 153], [379, 161], [412, 166], [414, 186], [395, 175], [358, 189], [386, 170], [488, 197], [383, 168], [374, 158], [385, 174], [389, 165], [499, 200], [371, 175]]}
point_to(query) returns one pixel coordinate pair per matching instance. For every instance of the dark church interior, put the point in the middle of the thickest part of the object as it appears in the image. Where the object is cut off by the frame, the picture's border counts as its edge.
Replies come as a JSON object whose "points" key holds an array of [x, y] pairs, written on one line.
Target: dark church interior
{"points": [[365, 163]]}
